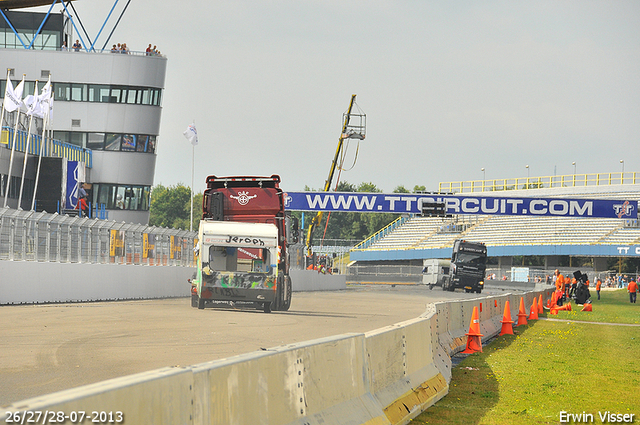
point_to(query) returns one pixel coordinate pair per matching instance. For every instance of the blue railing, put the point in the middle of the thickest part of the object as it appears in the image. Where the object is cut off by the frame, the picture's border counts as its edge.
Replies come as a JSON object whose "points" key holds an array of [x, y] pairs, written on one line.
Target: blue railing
{"points": [[51, 148], [381, 233]]}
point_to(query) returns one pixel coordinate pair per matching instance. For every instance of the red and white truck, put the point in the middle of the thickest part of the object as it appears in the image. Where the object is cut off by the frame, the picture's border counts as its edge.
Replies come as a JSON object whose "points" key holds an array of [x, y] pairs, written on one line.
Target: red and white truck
{"points": [[243, 244]]}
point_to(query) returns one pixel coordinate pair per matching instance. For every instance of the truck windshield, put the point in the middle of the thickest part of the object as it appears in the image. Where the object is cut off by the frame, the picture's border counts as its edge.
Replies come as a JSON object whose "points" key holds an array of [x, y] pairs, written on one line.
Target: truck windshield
{"points": [[470, 258], [240, 259]]}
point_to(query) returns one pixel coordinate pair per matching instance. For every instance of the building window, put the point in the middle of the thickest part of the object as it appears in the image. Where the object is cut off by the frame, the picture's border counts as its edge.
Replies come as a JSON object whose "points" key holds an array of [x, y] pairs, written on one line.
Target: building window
{"points": [[95, 141], [79, 92], [121, 197], [101, 93], [129, 142], [112, 142]]}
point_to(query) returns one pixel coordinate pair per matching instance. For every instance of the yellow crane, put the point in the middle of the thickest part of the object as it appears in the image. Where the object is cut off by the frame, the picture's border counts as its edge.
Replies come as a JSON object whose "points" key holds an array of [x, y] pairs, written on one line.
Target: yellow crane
{"points": [[353, 127]]}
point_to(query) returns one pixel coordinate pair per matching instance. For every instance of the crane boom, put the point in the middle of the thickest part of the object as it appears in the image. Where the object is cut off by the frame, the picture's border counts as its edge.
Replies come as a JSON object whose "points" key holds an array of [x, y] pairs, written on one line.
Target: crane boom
{"points": [[347, 132]]}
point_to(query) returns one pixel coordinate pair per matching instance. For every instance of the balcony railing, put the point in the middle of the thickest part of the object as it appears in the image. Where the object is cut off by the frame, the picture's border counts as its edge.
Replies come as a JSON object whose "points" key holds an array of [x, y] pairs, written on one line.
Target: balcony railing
{"points": [[51, 148]]}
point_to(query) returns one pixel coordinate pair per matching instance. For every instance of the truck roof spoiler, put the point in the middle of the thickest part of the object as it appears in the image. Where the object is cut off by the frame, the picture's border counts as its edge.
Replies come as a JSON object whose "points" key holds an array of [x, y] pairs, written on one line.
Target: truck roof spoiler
{"points": [[213, 181]]}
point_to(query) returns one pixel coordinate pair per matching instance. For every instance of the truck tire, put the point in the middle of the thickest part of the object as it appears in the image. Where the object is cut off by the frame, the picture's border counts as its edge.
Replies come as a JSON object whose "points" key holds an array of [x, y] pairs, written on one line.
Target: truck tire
{"points": [[266, 307], [286, 294], [194, 301], [283, 293], [200, 303]]}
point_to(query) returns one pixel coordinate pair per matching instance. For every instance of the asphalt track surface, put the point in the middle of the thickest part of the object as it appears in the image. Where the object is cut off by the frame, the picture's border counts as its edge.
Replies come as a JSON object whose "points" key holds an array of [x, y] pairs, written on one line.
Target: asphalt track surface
{"points": [[48, 348]]}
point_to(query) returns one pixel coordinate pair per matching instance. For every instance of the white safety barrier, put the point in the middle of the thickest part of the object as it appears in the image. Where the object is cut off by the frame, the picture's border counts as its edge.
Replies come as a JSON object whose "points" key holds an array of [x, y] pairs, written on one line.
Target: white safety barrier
{"points": [[312, 280], [386, 376], [32, 282]]}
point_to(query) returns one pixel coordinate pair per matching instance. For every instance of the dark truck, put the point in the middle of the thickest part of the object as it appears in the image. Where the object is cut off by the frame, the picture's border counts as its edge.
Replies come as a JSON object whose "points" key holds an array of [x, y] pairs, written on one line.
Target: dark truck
{"points": [[468, 265]]}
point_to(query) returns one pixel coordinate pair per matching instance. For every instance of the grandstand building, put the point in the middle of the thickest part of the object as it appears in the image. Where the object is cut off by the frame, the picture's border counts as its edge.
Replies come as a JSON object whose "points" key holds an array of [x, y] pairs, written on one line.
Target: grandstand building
{"points": [[106, 114], [412, 238]]}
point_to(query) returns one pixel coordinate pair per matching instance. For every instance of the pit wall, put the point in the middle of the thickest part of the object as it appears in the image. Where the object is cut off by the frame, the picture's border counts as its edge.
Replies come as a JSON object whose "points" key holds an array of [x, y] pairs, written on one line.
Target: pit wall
{"points": [[386, 376]]}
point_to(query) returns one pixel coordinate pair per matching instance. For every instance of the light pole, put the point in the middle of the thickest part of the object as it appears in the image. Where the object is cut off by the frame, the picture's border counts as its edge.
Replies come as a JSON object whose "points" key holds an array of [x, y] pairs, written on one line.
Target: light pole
{"points": [[574, 167], [527, 167], [484, 175], [622, 175]]}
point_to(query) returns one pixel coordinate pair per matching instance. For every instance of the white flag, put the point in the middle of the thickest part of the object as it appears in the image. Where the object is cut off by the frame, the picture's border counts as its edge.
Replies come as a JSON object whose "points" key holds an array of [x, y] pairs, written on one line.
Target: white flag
{"points": [[191, 134], [13, 98], [34, 106], [46, 99]]}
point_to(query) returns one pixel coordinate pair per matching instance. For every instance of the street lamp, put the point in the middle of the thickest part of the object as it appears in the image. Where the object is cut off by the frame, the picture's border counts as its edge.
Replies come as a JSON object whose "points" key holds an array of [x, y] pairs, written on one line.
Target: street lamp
{"points": [[574, 167], [484, 175], [527, 167], [622, 162], [622, 175]]}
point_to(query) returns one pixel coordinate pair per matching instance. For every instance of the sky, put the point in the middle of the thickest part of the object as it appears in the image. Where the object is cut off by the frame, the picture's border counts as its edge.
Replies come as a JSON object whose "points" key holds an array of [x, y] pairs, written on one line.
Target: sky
{"points": [[448, 87]]}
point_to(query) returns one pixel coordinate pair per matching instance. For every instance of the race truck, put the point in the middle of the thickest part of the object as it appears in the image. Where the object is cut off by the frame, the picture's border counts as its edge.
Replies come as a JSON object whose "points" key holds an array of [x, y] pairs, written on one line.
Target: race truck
{"points": [[243, 244], [468, 265]]}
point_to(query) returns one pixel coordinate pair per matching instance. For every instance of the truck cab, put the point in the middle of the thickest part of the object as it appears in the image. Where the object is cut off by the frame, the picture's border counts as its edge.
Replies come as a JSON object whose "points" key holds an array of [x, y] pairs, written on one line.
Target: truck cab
{"points": [[239, 262], [243, 244], [468, 266]]}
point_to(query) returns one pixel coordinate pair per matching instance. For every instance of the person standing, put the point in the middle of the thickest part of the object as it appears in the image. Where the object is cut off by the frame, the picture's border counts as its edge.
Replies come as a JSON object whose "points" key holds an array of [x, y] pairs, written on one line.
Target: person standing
{"points": [[632, 288], [598, 285]]}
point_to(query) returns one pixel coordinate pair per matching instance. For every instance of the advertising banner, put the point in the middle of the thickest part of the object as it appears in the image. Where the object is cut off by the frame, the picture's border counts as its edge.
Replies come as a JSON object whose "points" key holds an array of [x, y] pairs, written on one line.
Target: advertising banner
{"points": [[75, 176], [175, 252], [116, 243], [148, 245], [461, 204]]}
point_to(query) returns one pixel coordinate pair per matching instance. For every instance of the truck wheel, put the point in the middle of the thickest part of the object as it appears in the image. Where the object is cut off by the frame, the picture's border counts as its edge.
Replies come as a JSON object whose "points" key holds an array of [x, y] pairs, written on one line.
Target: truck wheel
{"points": [[286, 292], [279, 302], [194, 301], [266, 307], [200, 303], [478, 290]]}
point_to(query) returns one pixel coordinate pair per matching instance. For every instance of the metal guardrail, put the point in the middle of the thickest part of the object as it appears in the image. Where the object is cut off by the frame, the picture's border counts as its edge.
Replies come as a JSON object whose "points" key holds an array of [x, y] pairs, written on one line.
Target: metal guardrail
{"points": [[40, 236], [51, 147], [571, 180]]}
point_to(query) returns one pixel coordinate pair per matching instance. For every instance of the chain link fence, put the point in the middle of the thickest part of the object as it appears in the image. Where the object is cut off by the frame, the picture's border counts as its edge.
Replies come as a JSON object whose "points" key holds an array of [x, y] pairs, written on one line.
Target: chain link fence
{"points": [[40, 236], [384, 274]]}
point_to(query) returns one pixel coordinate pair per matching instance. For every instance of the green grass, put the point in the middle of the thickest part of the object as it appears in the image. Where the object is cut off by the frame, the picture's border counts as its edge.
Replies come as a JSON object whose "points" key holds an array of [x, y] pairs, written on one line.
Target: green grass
{"points": [[549, 367]]}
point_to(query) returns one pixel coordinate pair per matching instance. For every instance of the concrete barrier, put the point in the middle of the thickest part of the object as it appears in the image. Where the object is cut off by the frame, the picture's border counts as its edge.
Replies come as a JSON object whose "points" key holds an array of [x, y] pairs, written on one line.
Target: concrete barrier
{"points": [[161, 396], [316, 382], [40, 282], [386, 376], [32, 282], [402, 373], [311, 280]]}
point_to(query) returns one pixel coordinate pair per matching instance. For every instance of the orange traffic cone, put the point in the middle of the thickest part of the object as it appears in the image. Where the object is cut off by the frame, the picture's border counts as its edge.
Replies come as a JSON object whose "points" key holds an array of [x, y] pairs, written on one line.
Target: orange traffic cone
{"points": [[533, 315], [507, 323], [554, 311], [474, 341], [522, 314], [565, 307], [540, 309], [587, 307]]}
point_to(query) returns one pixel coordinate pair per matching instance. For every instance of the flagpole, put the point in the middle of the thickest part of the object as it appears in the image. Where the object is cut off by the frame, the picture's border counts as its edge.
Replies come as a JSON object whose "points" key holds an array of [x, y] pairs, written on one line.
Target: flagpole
{"points": [[193, 156], [5, 91], [26, 149], [13, 149], [45, 123], [1, 121], [35, 187]]}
